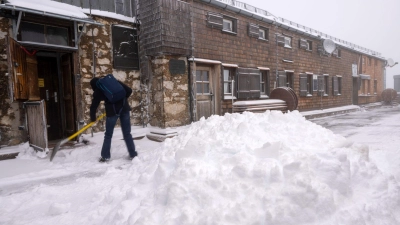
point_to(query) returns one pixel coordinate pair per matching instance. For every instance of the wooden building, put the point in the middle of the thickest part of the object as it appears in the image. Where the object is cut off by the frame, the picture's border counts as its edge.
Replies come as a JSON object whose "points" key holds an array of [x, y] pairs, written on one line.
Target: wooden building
{"points": [[184, 60]]}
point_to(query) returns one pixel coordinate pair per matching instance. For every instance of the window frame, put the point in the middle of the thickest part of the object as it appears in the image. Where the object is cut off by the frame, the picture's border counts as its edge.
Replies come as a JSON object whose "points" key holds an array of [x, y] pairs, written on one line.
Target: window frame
{"points": [[266, 33], [233, 22], [326, 84], [265, 92], [232, 75], [290, 41], [306, 80], [202, 82]]}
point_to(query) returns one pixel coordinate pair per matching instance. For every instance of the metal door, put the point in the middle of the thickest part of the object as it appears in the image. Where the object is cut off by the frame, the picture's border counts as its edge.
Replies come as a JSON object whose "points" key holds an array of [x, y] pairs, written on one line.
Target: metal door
{"points": [[36, 124], [204, 93]]}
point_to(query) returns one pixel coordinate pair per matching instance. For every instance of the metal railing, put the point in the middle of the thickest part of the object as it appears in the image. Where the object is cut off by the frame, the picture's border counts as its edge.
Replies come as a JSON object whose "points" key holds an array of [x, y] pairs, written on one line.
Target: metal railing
{"points": [[245, 6]]}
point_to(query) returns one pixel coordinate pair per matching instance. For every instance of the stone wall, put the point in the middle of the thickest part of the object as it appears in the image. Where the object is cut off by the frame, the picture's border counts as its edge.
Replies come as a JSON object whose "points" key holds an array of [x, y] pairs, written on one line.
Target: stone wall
{"points": [[11, 114], [104, 65], [169, 106]]}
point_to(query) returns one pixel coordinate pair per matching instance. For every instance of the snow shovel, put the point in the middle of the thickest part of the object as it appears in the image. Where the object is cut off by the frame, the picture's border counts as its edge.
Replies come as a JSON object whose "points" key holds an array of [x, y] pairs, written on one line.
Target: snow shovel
{"points": [[58, 145]]}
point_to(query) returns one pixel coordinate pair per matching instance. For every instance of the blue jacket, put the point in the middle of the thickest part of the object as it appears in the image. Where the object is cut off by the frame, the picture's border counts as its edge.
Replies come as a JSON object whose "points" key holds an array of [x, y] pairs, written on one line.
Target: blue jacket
{"points": [[98, 96]]}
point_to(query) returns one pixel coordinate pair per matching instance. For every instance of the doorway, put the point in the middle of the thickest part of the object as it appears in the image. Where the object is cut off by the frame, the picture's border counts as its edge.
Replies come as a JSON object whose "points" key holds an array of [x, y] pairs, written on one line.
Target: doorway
{"points": [[56, 89], [204, 93], [355, 90]]}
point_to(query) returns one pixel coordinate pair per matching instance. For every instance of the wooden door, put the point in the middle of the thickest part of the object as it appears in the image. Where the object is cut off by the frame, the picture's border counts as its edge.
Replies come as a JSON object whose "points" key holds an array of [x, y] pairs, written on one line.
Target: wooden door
{"points": [[67, 95], [355, 90], [204, 93], [36, 124], [23, 72], [49, 92]]}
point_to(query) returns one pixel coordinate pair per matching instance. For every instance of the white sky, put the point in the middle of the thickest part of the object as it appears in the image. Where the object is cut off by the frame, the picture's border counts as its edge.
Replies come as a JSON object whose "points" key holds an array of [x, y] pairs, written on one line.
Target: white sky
{"points": [[373, 24], [269, 168]]}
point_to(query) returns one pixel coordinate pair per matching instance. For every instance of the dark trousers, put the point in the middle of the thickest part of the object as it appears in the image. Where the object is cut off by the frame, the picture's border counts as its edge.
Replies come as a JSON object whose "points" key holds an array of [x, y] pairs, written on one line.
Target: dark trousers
{"points": [[124, 118]]}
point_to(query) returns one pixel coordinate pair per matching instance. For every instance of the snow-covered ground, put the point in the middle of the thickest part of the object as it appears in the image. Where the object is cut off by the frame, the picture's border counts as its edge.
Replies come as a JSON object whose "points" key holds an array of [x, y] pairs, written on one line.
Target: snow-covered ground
{"points": [[269, 168]]}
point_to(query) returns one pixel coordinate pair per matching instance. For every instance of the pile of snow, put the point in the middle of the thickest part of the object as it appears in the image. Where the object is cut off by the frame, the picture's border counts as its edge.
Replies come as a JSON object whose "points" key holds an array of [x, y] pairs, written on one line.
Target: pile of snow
{"points": [[269, 168]]}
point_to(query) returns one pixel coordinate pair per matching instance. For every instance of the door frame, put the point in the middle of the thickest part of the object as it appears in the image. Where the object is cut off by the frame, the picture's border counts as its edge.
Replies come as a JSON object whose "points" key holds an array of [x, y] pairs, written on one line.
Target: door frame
{"points": [[215, 86]]}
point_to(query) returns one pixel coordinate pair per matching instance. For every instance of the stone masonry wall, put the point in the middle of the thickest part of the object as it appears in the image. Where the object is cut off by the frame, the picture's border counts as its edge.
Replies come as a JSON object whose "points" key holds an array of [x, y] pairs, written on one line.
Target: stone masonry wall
{"points": [[169, 106], [11, 114], [104, 65], [241, 49]]}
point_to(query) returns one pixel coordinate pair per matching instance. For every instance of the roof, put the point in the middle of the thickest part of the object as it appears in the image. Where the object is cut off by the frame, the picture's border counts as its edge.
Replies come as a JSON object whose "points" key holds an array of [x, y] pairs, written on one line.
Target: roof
{"points": [[60, 10], [263, 15]]}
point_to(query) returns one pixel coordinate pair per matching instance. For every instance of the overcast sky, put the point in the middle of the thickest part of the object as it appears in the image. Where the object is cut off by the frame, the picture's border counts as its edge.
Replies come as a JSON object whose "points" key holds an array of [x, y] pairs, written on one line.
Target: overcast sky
{"points": [[373, 24]]}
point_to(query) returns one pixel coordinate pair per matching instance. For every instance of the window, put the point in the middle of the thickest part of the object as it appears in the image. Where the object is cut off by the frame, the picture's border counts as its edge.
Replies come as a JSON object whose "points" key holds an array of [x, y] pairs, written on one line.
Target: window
{"points": [[337, 53], [305, 44], [229, 24], [288, 42], [337, 85], [263, 33], [264, 83], [369, 61], [125, 47], [228, 77], [315, 83], [326, 84], [375, 86], [203, 82], [306, 84], [285, 79], [248, 83], [284, 41], [44, 34]]}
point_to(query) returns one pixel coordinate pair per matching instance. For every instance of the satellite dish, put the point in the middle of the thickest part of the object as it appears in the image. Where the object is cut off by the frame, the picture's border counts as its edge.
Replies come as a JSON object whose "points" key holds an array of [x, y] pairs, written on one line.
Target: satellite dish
{"points": [[329, 46], [390, 62]]}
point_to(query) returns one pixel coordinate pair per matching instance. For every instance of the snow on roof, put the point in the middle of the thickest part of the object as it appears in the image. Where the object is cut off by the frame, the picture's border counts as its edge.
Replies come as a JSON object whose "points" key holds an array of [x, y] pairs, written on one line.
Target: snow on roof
{"points": [[49, 6], [264, 15], [58, 8], [112, 15]]}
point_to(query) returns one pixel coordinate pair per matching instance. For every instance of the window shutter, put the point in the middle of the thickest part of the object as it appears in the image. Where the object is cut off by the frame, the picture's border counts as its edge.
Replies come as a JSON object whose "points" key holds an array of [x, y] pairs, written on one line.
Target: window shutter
{"points": [[303, 44], [303, 85], [254, 30], [215, 20], [335, 86], [254, 83], [321, 82], [280, 40], [281, 79]]}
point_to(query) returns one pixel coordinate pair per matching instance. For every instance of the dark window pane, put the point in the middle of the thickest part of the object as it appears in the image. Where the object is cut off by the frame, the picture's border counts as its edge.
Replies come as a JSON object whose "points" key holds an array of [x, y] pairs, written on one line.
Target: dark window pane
{"points": [[198, 75], [226, 75], [205, 76], [57, 35], [32, 32], [199, 88], [227, 88], [206, 87]]}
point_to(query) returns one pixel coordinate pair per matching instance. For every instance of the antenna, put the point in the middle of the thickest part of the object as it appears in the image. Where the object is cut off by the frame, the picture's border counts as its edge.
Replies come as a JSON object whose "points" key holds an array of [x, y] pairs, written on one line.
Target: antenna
{"points": [[329, 46], [390, 62]]}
